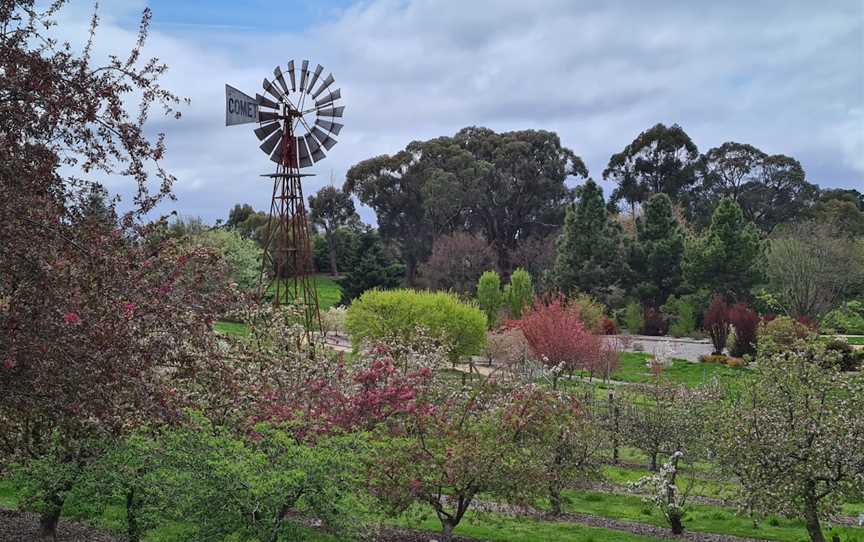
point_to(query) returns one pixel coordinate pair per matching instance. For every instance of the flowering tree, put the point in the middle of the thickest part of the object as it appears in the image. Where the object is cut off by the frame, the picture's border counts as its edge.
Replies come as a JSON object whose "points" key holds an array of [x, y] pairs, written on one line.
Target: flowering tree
{"points": [[558, 337], [451, 450], [794, 435], [559, 438], [664, 493]]}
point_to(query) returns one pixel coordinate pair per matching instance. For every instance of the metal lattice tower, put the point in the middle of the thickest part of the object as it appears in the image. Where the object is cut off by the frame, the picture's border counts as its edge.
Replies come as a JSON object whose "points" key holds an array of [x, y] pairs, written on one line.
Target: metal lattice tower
{"points": [[287, 248]]}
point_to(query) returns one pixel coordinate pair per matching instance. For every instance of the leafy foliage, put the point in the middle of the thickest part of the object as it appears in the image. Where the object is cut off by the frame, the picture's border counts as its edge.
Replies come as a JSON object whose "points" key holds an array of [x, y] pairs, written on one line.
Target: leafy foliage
{"points": [[682, 314], [794, 435], [717, 323], [656, 256], [398, 314], [374, 269], [519, 293], [745, 322], [590, 253], [331, 209], [849, 318], [489, 296], [634, 317], [811, 267], [725, 259], [661, 160], [242, 255]]}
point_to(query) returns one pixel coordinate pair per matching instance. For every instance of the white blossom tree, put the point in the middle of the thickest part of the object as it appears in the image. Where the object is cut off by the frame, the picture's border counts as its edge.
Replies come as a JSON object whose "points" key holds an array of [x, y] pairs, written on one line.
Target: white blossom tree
{"points": [[794, 436]]}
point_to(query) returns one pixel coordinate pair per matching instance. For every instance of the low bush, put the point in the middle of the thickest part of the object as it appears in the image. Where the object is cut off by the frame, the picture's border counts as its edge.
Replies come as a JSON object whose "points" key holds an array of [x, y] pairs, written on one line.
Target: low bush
{"points": [[608, 327], [736, 363], [654, 323], [681, 312], [713, 358], [746, 324], [846, 319], [382, 316], [717, 324], [333, 320], [633, 318], [782, 331], [519, 294], [489, 296], [591, 311], [849, 359]]}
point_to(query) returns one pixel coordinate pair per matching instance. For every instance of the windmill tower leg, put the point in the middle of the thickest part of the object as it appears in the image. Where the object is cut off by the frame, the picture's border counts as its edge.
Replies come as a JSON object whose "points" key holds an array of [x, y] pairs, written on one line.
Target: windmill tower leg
{"points": [[287, 250]]}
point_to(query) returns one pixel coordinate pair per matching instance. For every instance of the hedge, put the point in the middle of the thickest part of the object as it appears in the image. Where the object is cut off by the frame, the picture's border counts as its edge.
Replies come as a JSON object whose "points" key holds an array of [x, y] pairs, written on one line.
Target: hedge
{"points": [[383, 315]]}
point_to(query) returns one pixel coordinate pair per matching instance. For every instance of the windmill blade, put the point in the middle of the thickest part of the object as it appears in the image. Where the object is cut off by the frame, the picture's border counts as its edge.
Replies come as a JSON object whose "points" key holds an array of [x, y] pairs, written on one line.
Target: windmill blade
{"points": [[266, 130], [315, 76], [278, 152], [332, 127], [324, 84], [271, 88], [314, 148], [267, 116], [326, 141], [332, 112], [264, 101], [330, 98], [277, 71], [291, 75], [303, 153], [271, 142], [304, 74]]}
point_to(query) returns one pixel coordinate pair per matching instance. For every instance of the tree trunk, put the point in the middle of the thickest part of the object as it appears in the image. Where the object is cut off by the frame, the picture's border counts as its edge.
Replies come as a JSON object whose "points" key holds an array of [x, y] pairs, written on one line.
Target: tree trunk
{"points": [[331, 247], [675, 523], [133, 531], [50, 516], [555, 500], [653, 466], [811, 514]]}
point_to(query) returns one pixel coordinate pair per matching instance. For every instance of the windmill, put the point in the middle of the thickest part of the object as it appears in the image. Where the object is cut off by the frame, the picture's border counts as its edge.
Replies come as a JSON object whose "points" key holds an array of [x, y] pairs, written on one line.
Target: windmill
{"points": [[296, 119]]}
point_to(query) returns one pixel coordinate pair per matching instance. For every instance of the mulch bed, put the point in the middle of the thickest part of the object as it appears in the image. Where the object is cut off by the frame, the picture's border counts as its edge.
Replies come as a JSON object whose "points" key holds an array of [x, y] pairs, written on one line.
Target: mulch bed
{"points": [[24, 527]]}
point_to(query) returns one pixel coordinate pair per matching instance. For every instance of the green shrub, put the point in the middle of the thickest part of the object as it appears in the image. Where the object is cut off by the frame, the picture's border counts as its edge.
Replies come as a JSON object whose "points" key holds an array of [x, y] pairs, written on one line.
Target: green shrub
{"points": [[849, 359], [782, 332], [591, 312], [519, 293], [846, 319], [489, 296], [396, 315], [682, 314], [633, 317]]}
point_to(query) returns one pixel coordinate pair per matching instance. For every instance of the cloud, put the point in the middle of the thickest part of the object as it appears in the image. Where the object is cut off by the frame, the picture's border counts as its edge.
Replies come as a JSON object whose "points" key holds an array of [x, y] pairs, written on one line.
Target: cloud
{"points": [[786, 77]]}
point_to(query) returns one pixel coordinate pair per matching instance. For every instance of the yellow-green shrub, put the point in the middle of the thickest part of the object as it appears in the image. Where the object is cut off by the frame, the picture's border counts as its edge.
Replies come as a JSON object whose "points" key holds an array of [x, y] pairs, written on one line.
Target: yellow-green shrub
{"points": [[713, 358], [397, 315]]}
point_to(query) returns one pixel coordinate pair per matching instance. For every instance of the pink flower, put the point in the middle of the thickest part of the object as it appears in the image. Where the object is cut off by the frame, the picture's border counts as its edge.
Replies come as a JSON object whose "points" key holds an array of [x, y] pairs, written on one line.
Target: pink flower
{"points": [[71, 318], [128, 309], [9, 363]]}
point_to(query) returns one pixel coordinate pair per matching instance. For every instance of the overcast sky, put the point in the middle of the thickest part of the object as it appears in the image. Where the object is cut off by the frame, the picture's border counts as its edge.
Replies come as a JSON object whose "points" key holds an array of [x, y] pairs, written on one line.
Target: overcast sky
{"points": [[785, 76]]}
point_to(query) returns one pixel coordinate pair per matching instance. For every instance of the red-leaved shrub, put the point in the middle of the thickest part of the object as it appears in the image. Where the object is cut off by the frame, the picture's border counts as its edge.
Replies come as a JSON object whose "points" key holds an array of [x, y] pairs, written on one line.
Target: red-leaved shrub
{"points": [[746, 324], [608, 326], [558, 338], [654, 323], [716, 322]]}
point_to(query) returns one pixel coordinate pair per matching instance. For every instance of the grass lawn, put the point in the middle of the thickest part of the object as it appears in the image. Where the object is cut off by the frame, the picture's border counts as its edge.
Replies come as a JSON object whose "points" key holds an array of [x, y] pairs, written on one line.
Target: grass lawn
{"points": [[507, 529], [633, 369], [700, 518], [329, 294], [856, 340]]}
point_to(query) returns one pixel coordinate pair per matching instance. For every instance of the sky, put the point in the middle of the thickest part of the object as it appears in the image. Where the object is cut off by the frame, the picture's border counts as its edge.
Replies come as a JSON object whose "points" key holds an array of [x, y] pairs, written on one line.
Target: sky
{"points": [[785, 76]]}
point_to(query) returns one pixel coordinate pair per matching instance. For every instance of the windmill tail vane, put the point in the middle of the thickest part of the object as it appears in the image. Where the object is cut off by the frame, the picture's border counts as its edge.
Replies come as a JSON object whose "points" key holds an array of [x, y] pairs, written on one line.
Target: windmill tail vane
{"points": [[297, 121]]}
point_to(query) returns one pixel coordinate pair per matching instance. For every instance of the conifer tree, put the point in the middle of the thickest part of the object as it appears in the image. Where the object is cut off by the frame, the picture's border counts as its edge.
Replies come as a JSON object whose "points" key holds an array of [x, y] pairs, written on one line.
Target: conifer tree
{"points": [[725, 259], [656, 255], [589, 250]]}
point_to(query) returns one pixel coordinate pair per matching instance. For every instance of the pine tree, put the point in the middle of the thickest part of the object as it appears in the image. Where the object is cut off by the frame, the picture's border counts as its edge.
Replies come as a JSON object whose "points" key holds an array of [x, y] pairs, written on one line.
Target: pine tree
{"points": [[656, 255], [725, 259], [589, 249], [372, 270]]}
